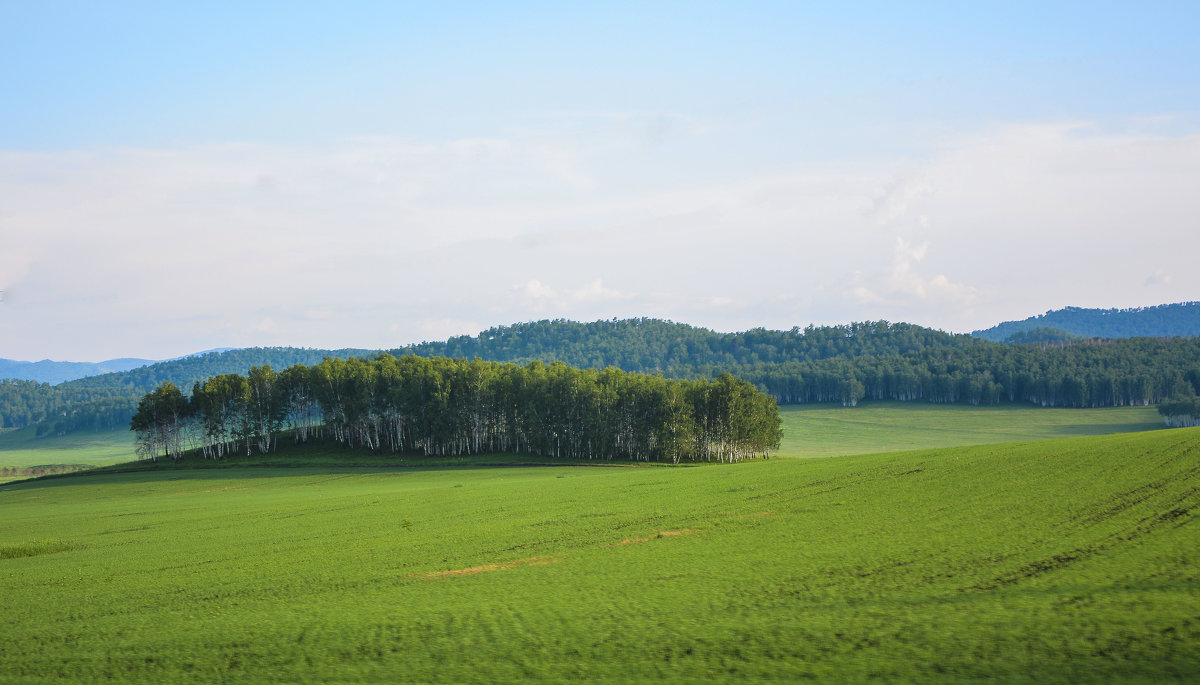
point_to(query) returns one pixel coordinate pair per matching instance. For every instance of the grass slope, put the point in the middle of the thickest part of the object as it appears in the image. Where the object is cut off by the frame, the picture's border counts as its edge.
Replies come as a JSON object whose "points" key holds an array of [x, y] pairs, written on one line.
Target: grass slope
{"points": [[822, 430], [1059, 561]]}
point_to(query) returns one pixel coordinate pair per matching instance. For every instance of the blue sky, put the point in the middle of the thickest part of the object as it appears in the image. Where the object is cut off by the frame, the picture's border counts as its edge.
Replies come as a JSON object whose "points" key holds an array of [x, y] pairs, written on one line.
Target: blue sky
{"points": [[178, 176]]}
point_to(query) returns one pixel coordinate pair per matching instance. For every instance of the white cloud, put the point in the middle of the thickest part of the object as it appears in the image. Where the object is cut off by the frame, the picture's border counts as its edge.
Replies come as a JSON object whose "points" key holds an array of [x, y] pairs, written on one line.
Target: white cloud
{"points": [[266, 325], [902, 284], [899, 198], [375, 242], [595, 291], [439, 328], [1159, 278], [537, 297]]}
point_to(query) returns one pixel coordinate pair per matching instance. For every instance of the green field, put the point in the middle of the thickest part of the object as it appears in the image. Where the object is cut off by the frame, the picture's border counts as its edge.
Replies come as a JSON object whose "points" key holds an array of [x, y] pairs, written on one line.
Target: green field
{"points": [[1060, 561], [823, 430], [21, 451], [809, 431]]}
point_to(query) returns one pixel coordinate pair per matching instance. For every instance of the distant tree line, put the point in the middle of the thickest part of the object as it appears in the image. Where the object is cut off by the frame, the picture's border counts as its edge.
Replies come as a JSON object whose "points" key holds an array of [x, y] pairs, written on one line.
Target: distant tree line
{"points": [[872, 360], [842, 364], [1136, 371], [441, 406]]}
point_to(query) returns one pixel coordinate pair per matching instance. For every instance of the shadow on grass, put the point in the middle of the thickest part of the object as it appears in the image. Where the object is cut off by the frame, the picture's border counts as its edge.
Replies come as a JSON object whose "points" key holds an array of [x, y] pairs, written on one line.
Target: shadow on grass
{"points": [[320, 458], [1086, 429]]}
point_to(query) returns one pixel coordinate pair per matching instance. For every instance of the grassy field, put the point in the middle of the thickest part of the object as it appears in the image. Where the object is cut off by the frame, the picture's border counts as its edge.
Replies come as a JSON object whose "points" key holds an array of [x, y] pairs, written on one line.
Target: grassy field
{"points": [[809, 431], [1059, 561], [827, 430], [21, 451]]}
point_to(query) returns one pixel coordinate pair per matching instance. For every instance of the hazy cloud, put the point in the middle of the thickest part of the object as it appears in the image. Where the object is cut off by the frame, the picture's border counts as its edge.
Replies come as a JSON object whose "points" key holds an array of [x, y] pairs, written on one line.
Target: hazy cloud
{"points": [[899, 198], [381, 241], [438, 328], [902, 284], [1159, 278], [539, 298]]}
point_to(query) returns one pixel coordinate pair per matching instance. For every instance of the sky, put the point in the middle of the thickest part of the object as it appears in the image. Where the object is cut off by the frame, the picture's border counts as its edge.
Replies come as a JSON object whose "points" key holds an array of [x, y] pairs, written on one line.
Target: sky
{"points": [[181, 176]]}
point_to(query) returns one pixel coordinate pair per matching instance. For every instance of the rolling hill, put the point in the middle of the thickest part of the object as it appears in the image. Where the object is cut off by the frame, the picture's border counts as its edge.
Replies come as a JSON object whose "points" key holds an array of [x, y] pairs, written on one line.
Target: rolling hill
{"points": [[1162, 321], [843, 364]]}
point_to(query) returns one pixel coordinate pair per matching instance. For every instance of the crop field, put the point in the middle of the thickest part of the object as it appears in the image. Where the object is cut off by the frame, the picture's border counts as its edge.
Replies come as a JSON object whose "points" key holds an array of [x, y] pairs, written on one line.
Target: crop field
{"points": [[1074, 560], [824, 430]]}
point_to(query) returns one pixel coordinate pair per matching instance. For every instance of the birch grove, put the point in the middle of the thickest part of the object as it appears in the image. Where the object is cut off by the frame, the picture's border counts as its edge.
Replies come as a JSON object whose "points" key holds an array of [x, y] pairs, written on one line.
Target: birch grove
{"points": [[441, 406]]}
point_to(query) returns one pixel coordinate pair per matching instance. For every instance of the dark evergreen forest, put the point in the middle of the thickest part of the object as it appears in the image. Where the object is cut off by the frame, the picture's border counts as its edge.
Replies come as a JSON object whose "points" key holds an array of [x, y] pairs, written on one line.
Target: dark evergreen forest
{"points": [[843, 364]]}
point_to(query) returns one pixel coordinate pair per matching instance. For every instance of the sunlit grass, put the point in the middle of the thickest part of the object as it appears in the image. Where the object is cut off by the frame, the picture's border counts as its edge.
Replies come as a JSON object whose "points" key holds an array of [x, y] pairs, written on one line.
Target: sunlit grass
{"points": [[20, 450], [823, 430], [1059, 561]]}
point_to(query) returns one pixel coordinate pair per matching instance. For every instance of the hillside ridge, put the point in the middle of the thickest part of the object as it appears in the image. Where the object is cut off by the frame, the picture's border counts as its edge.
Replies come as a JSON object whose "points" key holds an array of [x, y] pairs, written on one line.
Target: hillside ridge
{"points": [[1179, 319], [871, 360]]}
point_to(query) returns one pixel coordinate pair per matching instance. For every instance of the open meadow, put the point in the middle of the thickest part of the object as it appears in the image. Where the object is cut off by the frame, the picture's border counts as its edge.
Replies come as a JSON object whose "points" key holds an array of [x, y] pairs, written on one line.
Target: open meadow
{"points": [[808, 431], [825, 430], [1057, 561], [23, 454]]}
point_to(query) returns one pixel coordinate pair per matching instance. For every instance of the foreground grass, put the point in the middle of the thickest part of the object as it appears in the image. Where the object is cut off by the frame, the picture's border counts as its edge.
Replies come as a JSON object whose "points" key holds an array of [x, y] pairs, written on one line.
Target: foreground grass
{"points": [[1060, 561], [822, 430]]}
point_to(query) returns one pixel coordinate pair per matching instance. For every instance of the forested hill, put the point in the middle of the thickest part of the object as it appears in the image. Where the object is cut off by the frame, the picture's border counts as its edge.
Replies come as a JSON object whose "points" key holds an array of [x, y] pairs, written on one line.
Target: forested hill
{"points": [[185, 371], [1163, 321], [874, 360], [680, 350]]}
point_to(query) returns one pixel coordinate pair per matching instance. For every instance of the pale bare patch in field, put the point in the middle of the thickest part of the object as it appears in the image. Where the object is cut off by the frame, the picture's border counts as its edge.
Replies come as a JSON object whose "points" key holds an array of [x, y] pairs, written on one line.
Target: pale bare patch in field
{"points": [[661, 534], [487, 568], [758, 514]]}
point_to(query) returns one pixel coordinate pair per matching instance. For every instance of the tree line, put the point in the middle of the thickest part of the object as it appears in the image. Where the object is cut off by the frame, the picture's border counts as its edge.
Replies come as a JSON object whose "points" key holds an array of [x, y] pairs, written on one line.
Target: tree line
{"points": [[844, 364], [442, 406], [871, 360], [1135, 371]]}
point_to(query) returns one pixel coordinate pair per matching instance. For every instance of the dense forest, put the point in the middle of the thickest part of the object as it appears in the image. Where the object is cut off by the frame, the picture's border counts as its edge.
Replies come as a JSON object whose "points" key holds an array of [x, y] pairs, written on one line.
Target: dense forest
{"points": [[1035, 336], [445, 406], [872, 360], [1181, 319], [843, 364]]}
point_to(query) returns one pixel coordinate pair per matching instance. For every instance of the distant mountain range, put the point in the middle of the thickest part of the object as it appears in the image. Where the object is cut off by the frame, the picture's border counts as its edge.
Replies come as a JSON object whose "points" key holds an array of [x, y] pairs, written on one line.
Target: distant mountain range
{"points": [[52, 372], [1177, 320], [47, 371]]}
